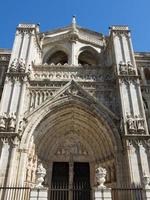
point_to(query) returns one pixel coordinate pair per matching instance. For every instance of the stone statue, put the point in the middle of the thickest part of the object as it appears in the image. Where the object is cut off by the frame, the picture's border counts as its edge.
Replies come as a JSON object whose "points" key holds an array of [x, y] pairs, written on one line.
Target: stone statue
{"points": [[21, 65], [140, 124], [12, 122], [131, 69], [41, 172], [3, 122], [22, 125], [123, 67], [13, 66], [101, 177], [146, 181], [131, 124]]}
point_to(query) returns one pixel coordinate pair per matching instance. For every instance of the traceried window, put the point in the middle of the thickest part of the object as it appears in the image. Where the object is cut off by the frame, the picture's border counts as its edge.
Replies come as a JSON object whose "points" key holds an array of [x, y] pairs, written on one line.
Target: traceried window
{"points": [[58, 57]]}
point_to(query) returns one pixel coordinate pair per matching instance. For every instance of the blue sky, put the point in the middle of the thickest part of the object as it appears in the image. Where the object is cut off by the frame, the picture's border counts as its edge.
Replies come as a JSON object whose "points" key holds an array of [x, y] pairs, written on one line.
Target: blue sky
{"points": [[96, 15]]}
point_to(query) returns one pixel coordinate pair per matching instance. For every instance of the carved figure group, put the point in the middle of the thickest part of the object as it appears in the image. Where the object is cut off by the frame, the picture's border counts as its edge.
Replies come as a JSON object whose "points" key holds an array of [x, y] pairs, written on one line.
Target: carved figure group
{"points": [[3, 118], [7, 122], [126, 68], [17, 65], [135, 124]]}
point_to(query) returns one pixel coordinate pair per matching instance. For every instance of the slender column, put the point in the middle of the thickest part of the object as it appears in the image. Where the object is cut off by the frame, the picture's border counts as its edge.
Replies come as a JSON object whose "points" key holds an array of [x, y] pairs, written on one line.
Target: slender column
{"points": [[11, 178], [6, 95], [4, 160], [70, 180], [133, 163], [73, 54], [22, 168], [144, 160], [15, 96], [50, 169], [20, 107]]}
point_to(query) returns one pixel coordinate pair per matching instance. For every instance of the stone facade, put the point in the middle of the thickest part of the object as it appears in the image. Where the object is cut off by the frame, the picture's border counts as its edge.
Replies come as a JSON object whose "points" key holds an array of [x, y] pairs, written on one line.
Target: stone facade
{"points": [[74, 95]]}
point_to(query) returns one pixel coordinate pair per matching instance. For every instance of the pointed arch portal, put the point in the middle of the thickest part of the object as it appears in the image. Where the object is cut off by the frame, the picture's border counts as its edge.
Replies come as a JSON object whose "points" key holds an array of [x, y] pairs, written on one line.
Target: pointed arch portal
{"points": [[75, 129]]}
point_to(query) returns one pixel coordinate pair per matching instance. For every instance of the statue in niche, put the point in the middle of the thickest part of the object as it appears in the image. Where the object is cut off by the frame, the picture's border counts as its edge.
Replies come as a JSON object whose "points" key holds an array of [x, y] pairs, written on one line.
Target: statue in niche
{"points": [[21, 65], [131, 69], [13, 66], [12, 122], [140, 124], [3, 122], [123, 67], [101, 177], [131, 124]]}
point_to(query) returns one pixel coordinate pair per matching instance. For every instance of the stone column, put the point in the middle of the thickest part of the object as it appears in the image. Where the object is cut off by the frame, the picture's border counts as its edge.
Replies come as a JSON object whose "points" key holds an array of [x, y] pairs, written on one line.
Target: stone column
{"points": [[70, 180], [11, 175], [4, 160], [133, 162], [22, 167], [50, 169], [146, 187]]}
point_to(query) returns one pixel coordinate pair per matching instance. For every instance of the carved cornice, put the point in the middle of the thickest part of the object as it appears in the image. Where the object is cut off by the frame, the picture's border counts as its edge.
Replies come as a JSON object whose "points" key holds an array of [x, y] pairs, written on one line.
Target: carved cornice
{"points": [[81, 37], [67, 73]]}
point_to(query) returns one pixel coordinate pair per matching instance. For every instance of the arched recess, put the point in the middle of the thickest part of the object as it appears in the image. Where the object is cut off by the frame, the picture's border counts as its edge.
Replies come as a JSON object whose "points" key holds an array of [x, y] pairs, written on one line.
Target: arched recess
{"points": [[88, 55], [147, 75], [71, 129], [57, 54]]}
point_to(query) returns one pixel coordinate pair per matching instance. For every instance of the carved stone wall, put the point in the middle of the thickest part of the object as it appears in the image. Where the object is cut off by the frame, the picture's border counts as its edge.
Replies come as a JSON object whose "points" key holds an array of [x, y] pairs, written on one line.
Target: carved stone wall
{"points": [[87, 109]]}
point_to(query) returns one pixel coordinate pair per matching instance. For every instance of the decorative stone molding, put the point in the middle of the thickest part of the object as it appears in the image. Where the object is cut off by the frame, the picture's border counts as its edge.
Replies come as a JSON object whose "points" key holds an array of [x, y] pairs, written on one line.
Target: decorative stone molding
{"points": [[101, 177], [41, 172], [135, 124], [65, 73]]}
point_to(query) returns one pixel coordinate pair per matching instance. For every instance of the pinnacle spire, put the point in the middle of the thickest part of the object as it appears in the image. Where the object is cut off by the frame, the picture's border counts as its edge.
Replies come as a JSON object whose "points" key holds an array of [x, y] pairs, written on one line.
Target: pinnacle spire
{"points": [[73, 19], [74, 23]]}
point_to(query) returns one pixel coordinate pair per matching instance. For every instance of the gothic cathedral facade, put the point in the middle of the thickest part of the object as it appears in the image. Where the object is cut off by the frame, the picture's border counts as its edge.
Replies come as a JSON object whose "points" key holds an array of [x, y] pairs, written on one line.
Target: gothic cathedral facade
{"points": [[74, 99]]}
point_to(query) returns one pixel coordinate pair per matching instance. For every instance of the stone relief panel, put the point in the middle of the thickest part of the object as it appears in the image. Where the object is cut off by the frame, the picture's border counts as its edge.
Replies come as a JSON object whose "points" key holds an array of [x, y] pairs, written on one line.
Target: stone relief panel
{"points": [[66, 72], [71, 147]]}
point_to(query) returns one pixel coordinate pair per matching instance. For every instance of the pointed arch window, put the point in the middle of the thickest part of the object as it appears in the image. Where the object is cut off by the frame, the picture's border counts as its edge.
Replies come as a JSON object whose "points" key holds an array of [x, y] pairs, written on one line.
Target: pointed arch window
{"points": [[58, 57]]}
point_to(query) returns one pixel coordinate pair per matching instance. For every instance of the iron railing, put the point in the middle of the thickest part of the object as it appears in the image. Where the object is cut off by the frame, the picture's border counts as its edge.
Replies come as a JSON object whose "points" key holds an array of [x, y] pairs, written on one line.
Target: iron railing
{"points": [[14, 193], [127, 193], [69, 194], [20, 193]]}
